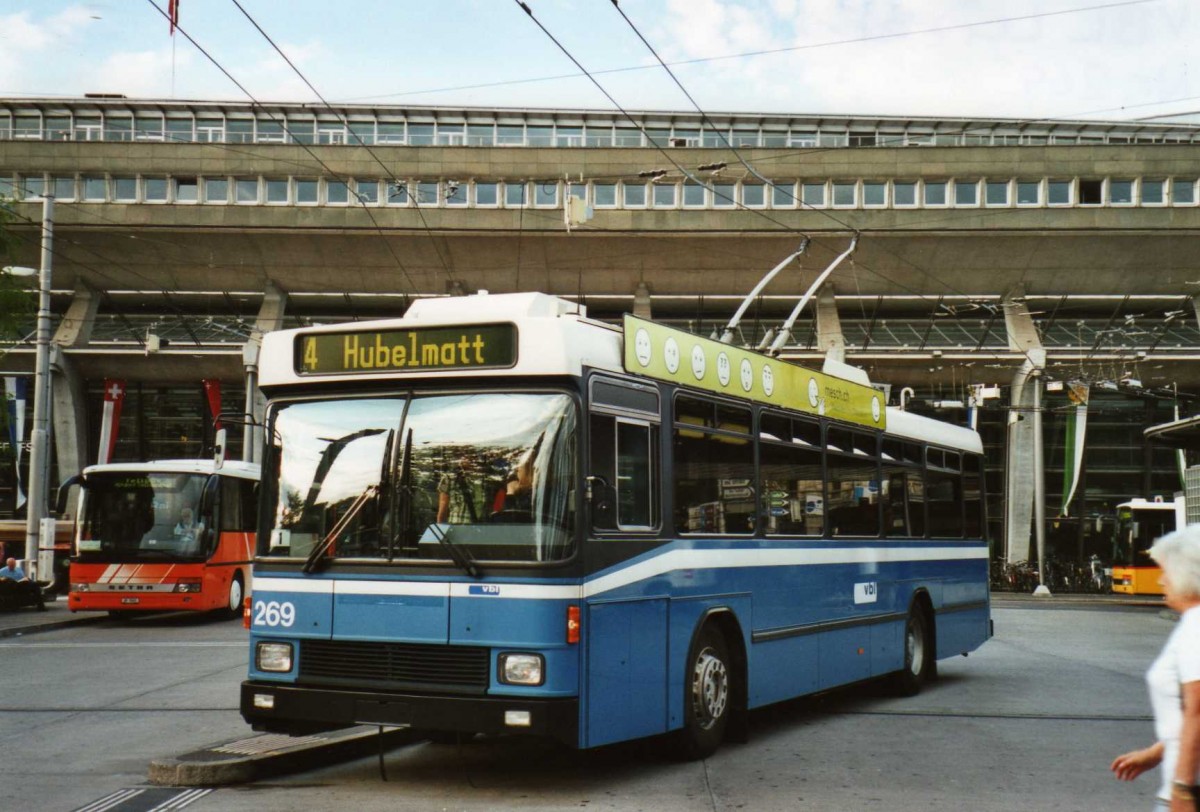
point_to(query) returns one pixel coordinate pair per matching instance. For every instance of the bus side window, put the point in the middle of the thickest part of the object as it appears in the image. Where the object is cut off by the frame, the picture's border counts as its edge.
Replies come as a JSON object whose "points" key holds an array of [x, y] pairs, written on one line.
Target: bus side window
{"points": [[945, 493], [624, 474], [791, 480], [903, 491], [238, 497], [603, 472], [852, 473], [714, 472], [973, 494]]}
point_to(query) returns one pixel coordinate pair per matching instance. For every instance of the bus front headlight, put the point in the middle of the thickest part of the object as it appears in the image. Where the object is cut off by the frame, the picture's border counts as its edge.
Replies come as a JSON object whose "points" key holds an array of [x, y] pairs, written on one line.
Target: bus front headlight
{"points": [[522, 669], [273, 657]]}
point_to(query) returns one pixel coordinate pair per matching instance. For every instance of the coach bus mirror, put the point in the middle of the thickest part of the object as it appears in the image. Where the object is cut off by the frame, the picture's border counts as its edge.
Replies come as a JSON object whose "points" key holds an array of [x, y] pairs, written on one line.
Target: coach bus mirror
{"points": [[219, 449], [64, 492]]}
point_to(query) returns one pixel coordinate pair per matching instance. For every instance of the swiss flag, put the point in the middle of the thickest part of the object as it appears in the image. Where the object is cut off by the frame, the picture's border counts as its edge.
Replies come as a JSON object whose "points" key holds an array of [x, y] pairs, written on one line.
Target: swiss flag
{"points": [[114, 397]]}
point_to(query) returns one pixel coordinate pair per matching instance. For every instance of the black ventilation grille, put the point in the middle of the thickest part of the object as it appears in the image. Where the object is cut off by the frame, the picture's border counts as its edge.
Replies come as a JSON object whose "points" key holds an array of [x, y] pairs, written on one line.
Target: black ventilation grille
{"points": [[395, 666]]}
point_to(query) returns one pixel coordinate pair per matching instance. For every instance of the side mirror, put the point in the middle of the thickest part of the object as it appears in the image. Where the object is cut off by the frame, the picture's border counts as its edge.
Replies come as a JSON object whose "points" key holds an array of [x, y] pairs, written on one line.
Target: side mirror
{"points": [[602, 501], [219, 449], [64, 492]]}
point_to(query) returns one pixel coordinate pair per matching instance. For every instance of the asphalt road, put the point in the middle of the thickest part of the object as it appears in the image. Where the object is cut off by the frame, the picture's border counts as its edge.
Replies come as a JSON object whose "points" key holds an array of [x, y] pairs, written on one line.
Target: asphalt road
{"points": [[1031, 721]]}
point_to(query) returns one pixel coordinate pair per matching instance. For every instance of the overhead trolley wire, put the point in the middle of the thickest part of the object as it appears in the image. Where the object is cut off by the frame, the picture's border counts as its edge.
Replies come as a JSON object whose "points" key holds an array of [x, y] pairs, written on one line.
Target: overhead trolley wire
{"points": [[752, 170], [529, 12], [686, 173], [283, 124], [394, 180], [765, 52]]}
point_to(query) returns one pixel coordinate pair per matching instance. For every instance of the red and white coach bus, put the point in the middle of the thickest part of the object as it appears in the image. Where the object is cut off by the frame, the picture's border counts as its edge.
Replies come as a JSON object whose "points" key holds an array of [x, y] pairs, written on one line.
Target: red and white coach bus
{"points": [[164, 535]]}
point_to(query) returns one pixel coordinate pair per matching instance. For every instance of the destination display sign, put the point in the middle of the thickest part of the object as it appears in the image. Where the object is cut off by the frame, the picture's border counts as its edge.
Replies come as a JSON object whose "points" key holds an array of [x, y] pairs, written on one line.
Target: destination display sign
{"points": [[417, 349], [667, 354]]}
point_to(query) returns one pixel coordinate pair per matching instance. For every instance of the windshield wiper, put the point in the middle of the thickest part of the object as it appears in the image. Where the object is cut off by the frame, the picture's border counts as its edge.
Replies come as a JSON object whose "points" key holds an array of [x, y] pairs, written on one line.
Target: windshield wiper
{"points": [[397, 494], [459, 555], [319, 553], [405, 502]]}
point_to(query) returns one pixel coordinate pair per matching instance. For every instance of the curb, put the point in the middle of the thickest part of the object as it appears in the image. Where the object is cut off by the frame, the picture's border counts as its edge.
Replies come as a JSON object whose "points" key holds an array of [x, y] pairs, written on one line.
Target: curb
{"points": [[49, 626], [248, 759]]}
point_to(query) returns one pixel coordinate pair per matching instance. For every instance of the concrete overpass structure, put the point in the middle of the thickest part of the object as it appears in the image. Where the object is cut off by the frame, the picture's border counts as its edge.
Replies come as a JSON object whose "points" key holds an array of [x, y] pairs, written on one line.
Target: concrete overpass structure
{"points": [[987, 250]]}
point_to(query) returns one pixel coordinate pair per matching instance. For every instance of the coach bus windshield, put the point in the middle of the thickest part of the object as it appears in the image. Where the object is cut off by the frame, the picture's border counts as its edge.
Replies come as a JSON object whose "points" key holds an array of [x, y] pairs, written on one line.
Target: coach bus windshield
{"points": [[398, 478], [141, 516]]}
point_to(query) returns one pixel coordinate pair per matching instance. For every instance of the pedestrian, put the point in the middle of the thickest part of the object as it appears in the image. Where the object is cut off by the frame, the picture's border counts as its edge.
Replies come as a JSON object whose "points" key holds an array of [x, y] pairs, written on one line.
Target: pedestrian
{"points": [[1174, 681], [15, 585]]}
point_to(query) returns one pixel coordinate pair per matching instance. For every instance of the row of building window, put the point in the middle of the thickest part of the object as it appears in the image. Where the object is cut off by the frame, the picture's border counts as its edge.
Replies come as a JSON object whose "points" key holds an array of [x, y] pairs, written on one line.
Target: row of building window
{"points": [[719, 194], [217, 128]]}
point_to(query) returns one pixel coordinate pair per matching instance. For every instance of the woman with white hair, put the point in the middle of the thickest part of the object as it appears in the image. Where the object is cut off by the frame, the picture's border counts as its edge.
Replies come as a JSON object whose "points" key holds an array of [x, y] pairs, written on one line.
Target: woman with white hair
{"points": [[1174, 681]]}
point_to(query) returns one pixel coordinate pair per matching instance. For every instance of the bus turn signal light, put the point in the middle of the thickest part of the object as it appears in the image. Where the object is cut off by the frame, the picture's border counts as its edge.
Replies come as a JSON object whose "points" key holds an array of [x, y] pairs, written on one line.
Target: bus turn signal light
{"points": [[246, 613], [572, 624]]}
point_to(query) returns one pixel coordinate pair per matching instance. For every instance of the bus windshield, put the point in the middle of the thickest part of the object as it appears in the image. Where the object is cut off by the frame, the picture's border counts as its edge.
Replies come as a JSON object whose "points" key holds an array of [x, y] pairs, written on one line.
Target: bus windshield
{"points": [[400, 478], [1137, 530], [141, 516]]}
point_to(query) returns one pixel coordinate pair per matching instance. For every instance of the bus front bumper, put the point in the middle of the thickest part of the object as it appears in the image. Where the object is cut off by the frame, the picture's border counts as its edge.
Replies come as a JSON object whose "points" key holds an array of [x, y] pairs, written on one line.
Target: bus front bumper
{"points": [[306, 709]]}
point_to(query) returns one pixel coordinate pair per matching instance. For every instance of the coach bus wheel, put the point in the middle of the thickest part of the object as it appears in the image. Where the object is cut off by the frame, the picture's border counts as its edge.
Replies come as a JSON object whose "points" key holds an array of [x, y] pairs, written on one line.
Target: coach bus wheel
{"points": [[918, 655], [233, 606], [708, 695]]}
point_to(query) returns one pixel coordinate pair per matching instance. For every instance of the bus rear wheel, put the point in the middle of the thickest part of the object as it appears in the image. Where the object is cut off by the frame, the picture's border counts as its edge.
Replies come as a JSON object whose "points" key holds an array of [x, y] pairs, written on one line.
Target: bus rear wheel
{"points": [[918, 656], [708, 695]]}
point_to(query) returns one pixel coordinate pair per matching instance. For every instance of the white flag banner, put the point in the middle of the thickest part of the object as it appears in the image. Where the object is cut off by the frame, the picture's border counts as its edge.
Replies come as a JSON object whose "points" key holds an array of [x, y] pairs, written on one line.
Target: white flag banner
{"points": [[15, 394]]}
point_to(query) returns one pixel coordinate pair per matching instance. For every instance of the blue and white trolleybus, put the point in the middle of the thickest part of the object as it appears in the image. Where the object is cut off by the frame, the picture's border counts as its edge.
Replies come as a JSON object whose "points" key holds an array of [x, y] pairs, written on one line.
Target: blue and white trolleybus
{"points": [[498, 515]]}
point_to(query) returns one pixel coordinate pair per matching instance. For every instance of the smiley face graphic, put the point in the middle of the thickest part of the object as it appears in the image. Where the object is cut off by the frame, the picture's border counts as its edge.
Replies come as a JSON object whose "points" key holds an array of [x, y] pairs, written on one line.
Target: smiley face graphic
{"points": [[723, 369], [768, 380], [747, 373], [641, 346], [699, 364], [671, 355]]}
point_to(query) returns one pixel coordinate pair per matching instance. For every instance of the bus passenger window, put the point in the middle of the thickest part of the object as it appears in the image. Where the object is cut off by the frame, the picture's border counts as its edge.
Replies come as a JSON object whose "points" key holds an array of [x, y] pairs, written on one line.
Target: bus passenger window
{"points": [[903, 493], [791, 486], [714, 469], [853, 499], [944, 488], [973, 495]]}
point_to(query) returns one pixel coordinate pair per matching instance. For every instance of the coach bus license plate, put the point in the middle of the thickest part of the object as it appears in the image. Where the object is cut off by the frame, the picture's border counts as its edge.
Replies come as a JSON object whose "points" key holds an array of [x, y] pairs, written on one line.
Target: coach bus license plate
{"points": [[131, 600]]}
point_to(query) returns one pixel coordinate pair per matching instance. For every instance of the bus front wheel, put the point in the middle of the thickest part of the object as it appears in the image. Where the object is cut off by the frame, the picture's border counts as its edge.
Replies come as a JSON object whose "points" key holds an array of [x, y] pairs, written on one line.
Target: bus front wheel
{"points": [[708, 695], [918, 655], [233, 605]]}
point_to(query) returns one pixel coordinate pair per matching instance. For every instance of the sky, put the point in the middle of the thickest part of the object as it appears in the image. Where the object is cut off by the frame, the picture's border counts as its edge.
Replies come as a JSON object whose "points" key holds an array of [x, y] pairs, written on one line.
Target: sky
{"points": [[1107, 59]]}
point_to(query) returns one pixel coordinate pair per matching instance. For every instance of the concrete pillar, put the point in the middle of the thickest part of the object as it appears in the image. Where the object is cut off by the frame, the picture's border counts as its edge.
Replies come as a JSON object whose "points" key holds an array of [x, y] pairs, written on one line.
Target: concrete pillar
{"points": [[270, 317], [68, 413], [1023, 450], [68, 407], [641, 301], [75, 329], [829, 327]]}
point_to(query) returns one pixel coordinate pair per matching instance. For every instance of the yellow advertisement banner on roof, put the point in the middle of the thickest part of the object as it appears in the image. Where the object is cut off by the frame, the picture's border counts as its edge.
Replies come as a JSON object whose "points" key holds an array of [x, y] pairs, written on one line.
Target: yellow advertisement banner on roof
{"points": [[677, 356]]}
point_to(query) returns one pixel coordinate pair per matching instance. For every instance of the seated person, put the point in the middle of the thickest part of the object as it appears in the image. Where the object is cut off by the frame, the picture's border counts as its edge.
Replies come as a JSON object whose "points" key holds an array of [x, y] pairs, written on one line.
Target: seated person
{"points": [[15, 584], [188, 528]]}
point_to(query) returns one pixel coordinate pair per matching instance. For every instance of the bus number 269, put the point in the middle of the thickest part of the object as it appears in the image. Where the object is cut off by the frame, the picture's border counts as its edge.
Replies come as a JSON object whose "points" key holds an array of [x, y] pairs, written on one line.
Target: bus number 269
{"points": [[273, 613]]}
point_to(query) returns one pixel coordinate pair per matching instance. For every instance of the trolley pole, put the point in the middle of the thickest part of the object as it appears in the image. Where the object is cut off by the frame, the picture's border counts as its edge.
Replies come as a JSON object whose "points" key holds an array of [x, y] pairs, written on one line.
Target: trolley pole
{"points": [[39, 449]]}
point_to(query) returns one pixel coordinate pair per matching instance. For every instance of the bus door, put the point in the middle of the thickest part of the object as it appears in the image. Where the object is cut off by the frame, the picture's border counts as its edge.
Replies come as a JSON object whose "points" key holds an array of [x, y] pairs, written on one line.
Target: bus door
{"points": [[625, 682]]}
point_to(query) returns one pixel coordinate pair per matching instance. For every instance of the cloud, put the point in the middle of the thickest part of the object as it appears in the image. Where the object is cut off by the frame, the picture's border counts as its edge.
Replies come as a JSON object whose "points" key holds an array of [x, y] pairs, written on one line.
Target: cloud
{"points": [[140, 73], [849, 59], [22, 38]]}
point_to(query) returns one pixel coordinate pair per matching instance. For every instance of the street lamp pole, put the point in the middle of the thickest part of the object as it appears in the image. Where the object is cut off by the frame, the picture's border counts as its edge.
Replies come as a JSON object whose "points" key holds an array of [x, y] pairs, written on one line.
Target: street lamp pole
{"points": [[39, 447]]}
